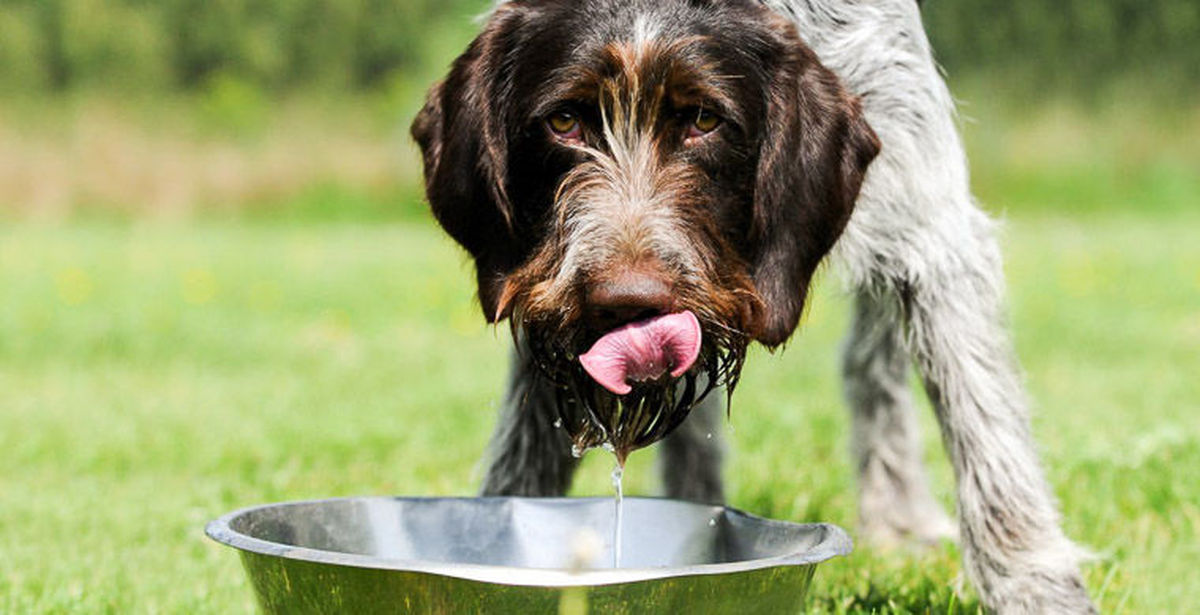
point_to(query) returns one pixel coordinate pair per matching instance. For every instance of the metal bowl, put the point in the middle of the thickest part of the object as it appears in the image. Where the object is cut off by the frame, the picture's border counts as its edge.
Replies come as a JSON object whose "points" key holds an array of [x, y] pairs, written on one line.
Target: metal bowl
{"points": [[523, 555]]}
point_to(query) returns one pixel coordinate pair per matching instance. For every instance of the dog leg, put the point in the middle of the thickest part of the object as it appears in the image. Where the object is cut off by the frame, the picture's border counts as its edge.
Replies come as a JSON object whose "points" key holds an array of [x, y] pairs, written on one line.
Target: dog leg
{"points": [[1013, 548], [689, 459], [530, 453], [916, 229], [894, 502]]}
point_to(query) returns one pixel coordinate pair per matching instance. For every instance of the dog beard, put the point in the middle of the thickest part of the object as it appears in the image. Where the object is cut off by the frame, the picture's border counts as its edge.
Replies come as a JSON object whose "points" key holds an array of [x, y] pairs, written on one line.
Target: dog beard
{"points": [[596, 417]]}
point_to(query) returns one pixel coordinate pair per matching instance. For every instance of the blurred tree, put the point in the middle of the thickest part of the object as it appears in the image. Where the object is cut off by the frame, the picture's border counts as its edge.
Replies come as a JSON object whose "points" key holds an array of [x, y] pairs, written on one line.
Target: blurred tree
{"points": [[365, 44], [1073, 45], [21, 44], [109, 45]]}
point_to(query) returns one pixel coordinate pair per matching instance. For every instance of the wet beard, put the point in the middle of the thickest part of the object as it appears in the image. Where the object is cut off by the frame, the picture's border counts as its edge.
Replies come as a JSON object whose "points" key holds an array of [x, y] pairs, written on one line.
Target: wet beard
{"points": [[594, 416]]}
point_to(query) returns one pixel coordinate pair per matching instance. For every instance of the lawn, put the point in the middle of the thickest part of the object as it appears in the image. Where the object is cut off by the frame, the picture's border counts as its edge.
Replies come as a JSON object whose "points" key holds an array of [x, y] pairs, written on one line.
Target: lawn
{"points": [[154, 376]]}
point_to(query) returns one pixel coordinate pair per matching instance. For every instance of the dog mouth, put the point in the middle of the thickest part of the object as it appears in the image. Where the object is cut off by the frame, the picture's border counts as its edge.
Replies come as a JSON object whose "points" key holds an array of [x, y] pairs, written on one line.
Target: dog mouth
{"points": [[638, 382]]}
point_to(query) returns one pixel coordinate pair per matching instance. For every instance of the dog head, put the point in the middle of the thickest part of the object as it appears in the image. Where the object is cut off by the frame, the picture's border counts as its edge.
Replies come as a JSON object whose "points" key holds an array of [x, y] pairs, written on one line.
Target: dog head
{"points": [[661, 177]]}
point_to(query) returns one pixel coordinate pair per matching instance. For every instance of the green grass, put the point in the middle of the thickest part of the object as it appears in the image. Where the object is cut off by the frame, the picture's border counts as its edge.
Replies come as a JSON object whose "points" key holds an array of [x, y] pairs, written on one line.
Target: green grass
{"points": [[153, 377], [1130, 150]]}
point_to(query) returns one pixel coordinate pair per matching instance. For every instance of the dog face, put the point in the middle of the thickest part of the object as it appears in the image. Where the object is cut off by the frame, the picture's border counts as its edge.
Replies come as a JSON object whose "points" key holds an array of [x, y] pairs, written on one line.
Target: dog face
{"points": [[612, 161]]}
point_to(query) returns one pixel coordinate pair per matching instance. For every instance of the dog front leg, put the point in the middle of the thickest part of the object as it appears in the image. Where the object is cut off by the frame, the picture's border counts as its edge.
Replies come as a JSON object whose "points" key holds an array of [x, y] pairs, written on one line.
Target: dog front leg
{"points": [[1013, 548], [894, 501], [530, 453], [689, 459]]}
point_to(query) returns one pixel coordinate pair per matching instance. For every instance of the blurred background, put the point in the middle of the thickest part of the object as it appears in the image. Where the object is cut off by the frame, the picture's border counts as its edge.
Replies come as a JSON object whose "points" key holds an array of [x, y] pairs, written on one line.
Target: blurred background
{"points": [[183, 107], [219, 286]]}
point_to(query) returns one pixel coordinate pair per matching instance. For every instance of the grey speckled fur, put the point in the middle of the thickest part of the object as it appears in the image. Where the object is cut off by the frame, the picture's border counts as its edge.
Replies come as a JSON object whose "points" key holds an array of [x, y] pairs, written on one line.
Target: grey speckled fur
{"points": [[918, 241], [924, 264], [689, 460], [529, 454], [894, 502]]}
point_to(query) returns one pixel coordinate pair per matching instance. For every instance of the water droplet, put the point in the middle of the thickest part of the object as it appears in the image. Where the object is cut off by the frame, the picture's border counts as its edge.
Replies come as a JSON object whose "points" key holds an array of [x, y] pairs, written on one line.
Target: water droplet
{"points": [[558, 424], [708, 436], [712, 523], [608, 447], [576, 452]]}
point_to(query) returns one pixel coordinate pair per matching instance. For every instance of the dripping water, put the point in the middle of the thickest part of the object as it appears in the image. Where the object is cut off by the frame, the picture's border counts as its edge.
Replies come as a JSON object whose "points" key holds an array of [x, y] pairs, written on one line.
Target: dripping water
{"points": [[617, 474]]}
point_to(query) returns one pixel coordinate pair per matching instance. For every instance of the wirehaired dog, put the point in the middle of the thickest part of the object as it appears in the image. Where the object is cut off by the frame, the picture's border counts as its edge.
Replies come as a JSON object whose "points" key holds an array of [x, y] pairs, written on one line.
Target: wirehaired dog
{"points": [[647, 186]]}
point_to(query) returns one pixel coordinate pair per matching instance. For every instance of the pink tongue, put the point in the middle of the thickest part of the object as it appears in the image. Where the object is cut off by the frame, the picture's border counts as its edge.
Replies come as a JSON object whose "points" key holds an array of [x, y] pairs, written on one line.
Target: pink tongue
{"points": [[644, 350]]}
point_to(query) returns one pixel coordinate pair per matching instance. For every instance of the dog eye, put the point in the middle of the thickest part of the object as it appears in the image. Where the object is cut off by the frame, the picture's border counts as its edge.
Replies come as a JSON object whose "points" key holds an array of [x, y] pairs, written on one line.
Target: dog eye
{"points": [[705, 122], [564, 125]]}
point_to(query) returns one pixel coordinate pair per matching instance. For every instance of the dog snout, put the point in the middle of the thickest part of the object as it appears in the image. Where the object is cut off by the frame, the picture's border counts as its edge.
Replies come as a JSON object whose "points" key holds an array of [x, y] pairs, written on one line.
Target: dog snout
{"points": [[627, 297]]}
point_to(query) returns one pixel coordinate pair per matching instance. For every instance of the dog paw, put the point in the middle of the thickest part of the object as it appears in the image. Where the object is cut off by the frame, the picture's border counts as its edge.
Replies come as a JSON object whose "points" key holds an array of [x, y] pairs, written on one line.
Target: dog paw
{"points": [[1033, 582], [1039, 593]]}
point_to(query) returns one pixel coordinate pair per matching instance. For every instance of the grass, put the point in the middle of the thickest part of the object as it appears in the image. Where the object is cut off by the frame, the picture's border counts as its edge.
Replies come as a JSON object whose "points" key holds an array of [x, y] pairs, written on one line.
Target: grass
{"points": [[206, 155], [232, 152], [180, 337], [1130, 151], [154, 376]]}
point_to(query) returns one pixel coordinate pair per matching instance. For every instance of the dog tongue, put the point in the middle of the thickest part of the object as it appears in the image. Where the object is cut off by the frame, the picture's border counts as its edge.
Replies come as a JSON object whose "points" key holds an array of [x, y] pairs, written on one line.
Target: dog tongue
{"points": [[644, 350]]}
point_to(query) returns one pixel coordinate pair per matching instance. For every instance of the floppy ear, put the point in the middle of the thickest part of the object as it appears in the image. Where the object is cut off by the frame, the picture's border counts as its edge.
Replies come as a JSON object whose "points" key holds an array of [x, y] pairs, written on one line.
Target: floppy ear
{"points": [[461, 131], [814, 150]]}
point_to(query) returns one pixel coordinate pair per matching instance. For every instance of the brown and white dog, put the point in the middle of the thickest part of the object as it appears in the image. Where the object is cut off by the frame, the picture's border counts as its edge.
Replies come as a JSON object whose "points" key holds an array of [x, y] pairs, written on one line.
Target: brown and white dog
{"points": [[647, 186]]}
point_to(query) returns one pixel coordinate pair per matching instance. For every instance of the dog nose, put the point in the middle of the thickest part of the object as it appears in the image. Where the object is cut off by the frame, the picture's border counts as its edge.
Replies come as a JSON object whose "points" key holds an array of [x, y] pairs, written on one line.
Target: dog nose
{"points": [[627, 297]]}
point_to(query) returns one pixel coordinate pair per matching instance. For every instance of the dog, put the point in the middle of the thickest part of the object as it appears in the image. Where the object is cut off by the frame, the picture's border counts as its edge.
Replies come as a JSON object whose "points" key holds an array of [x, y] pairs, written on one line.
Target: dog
{"points": [[648, 186]]}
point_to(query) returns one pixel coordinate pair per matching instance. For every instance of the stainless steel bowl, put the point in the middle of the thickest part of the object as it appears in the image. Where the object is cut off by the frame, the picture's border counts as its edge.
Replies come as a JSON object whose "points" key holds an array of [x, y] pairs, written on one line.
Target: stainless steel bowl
{"points": [[523, 555]]}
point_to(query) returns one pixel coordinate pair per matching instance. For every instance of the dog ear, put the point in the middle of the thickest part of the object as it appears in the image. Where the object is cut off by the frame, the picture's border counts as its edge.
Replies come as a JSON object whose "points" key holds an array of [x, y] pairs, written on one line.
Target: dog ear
{"points": [[463, 139], [815, 148]]}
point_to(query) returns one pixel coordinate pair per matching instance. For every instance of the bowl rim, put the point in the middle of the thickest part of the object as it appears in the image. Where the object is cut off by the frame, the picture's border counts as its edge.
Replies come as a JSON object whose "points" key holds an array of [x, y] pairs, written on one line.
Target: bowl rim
{"points": [[831, 541]]}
